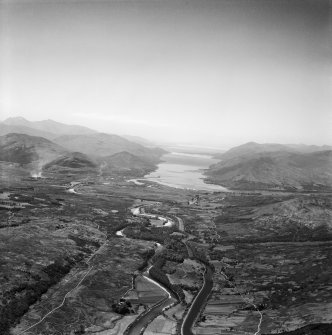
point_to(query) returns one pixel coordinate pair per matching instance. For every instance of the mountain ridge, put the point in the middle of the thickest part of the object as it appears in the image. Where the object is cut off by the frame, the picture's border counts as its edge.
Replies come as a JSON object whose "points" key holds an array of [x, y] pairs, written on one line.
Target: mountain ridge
{"points": [[48, 126], [254, 147], [102, 144], [280, 168]]}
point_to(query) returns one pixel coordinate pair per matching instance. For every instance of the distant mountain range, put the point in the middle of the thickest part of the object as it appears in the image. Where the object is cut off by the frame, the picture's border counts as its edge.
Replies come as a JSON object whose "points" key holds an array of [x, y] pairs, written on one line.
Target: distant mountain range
{"points": [[47, 128], [51, 146], [251, 148], [139, 140], [274, 166], [101, 144]]}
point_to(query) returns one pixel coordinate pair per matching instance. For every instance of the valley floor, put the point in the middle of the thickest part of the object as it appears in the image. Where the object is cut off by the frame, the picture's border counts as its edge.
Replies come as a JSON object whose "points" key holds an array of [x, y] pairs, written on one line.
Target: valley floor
{"points": [[64, 270]]}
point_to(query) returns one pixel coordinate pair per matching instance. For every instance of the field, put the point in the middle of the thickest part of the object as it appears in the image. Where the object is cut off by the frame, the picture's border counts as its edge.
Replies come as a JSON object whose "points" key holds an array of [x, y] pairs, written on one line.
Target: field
{"points": [[272, 258]]}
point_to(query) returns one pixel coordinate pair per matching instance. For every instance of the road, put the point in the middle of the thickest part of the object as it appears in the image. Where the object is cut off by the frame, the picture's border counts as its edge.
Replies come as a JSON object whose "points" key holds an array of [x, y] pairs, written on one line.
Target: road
{"points": [[198, 303]]}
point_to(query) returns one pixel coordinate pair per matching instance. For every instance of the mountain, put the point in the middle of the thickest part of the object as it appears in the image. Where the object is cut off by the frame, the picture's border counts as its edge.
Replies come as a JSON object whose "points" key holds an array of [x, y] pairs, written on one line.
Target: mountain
{"points": [[37, 146], [275, 169], [101, 144], [7, 129], [126, 163], [72, 160], [50, 128], [309, 148], [251, 148], [81, 139], [26, 149], [139, 140]]}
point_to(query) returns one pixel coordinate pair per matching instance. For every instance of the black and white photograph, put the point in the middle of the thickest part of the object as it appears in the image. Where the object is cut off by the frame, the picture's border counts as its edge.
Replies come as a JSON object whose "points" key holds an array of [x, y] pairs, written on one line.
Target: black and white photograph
{"points": [[165, 167]]}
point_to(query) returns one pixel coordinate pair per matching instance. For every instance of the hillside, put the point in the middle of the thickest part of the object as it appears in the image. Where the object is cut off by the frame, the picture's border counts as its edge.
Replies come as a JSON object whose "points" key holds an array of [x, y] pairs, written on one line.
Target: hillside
{"points": [[273, 170], [93, 153], [7, 129], [126, 163], [50, 128], [251, 148], [25, 149], [77, 138], [72, 160], [101, 144], [139, 140]]}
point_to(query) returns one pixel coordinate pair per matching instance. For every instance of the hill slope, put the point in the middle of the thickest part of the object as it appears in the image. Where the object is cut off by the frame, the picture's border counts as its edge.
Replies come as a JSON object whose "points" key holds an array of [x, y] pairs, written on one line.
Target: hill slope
{"points": [[251, 148], [101, 144], [25, 149], [125, 163], [7, 129], [273, 170], [50, 127], [72, 160]]}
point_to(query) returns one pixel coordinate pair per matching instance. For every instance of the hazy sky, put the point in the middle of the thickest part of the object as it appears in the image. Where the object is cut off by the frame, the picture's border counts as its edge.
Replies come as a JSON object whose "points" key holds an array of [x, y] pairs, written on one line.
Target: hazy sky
{"points": [[212, 72]]}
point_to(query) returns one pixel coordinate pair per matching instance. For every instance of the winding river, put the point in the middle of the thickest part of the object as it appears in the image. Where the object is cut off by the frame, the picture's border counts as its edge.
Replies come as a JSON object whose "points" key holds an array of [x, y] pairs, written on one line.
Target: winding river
{"points": [[138, 326]]}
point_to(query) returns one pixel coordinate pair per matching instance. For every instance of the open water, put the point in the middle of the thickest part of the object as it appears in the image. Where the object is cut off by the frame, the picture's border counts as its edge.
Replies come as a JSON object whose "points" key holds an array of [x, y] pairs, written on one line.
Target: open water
{"points": [[185, 171]]}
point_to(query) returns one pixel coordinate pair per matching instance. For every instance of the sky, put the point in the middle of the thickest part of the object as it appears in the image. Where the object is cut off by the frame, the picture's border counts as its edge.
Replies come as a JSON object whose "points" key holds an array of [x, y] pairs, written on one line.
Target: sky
{"points": [[215, 73]]}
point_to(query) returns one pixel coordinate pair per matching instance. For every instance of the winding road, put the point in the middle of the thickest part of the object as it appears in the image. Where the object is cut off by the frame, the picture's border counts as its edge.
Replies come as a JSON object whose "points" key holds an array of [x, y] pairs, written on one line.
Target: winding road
{"points": [[198, 303]]}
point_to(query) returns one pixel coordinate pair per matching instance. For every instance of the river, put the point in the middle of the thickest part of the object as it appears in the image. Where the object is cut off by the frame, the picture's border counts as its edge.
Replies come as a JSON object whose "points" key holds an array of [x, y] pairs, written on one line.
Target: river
{"points": [[138, 326], [184, 171]]}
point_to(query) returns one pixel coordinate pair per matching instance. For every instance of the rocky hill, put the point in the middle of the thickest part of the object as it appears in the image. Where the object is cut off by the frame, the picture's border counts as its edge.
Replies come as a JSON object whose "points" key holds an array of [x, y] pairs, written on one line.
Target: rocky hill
{"points": [[25, 149], [102, 145], [72, 160], [126, 163], [273, 167]]}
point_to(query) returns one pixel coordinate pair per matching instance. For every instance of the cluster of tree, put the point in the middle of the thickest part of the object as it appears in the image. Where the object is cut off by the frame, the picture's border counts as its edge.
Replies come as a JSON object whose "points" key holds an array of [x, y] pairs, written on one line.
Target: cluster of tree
{"points": [[177, 246], [144, 235], [146, 255], [84, 244], [172, 256], [199, 253], [122, 307], [158, 234], [16, 302]]}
